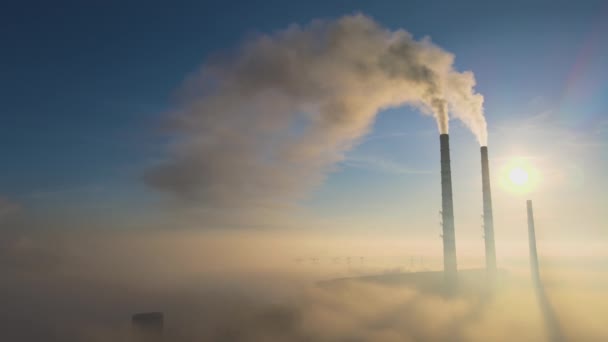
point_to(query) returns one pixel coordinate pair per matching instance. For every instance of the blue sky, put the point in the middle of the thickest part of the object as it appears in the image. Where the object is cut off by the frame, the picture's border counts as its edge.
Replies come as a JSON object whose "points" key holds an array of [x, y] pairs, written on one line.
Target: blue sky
{"points": [[83, 88]]}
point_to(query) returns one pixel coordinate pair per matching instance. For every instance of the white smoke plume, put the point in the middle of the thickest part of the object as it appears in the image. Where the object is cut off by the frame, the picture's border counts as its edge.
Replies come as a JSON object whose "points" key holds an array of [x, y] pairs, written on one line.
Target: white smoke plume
{"points": [[265, 123]]}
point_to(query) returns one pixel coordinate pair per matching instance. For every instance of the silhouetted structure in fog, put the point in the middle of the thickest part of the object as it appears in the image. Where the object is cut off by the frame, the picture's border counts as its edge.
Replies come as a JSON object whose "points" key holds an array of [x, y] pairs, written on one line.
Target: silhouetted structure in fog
{"points": [[554, 330], [447, 212], [488, 218], [532, 242], [147, 327]]}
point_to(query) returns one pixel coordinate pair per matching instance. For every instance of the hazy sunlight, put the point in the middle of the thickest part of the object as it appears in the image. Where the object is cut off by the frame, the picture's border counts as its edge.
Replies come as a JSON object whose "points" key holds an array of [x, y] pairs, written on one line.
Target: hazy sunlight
{"points": [[518, 176]]}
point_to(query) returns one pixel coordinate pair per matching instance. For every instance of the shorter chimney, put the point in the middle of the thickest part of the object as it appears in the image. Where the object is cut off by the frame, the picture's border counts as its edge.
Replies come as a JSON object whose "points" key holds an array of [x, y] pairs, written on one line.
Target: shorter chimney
{"points": [[532, 242]]}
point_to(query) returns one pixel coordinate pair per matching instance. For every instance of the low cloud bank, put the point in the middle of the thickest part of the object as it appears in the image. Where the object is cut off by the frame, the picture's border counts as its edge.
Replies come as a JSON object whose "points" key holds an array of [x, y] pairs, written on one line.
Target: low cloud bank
{"points": [[73, 289]]}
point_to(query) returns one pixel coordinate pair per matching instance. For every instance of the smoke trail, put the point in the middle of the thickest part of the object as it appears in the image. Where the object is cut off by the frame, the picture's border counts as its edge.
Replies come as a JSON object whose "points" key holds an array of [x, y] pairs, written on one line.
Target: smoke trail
{"points": [[265, 123]]}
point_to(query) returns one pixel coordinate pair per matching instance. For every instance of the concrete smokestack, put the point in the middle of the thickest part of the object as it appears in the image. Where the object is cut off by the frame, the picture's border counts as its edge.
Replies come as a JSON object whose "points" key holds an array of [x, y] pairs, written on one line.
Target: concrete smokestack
{"points": [[449, 239], [532, 242], [488, 218]]}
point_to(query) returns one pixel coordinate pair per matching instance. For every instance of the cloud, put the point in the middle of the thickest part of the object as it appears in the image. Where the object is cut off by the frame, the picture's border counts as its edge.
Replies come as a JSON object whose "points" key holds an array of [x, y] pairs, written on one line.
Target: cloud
{"points": [[215, 287], [262, 126]]}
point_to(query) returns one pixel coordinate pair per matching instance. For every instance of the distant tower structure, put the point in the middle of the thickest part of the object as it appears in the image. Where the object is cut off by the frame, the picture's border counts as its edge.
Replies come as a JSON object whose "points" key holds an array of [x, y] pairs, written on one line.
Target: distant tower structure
{"points": [[532, 241], [147, 327], [447, 211], [488, 217]]}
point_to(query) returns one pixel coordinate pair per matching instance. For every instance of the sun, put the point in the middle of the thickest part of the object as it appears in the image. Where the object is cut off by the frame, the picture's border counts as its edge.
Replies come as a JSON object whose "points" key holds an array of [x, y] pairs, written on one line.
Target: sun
{"points": [[518, 176]]}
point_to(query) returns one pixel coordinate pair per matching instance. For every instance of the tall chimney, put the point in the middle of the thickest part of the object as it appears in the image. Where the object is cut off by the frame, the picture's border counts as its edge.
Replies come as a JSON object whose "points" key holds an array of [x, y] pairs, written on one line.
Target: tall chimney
{"points": [[488, 219], [532, 242], [449, 239]]}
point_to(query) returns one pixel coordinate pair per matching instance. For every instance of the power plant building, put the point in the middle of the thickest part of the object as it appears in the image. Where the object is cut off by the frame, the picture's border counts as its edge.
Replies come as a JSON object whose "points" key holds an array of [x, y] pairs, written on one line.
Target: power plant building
{"points": [[147, 327]]}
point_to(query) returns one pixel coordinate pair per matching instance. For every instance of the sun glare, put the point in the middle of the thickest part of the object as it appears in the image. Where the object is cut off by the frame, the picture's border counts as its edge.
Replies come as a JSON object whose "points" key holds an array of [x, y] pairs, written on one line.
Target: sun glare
{"points": [[518, 176]]}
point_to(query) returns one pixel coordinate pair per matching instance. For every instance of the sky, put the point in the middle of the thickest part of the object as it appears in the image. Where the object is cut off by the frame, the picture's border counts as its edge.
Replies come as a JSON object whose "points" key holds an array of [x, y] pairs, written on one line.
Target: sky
{"points": [[215, 160], [86, 90]]}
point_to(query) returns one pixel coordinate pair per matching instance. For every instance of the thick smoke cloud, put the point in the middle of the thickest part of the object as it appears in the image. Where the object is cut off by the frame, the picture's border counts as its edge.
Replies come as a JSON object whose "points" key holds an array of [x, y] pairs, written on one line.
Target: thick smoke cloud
{"points": [[265, 123]]}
